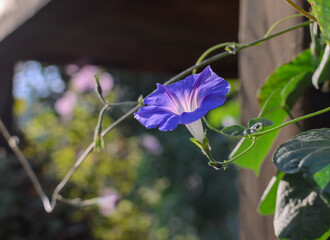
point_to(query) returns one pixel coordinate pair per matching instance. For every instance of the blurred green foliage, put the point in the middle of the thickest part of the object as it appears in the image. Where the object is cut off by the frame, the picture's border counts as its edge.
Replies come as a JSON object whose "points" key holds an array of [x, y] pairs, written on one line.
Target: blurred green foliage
{"points": [[166, 188]]}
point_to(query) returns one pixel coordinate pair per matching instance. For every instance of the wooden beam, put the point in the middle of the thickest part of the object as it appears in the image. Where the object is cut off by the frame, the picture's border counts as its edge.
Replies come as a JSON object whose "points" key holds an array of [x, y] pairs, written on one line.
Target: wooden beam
{"points": [[255, 64], [13, 13], [148, 35]]}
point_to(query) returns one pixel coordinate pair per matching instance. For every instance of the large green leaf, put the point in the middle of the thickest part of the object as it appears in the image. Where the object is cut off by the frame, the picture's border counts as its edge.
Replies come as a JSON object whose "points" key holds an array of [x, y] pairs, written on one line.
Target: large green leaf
{"points": [[300, 213], [296, 88], [293, 78], [309, 153], [254, 158], [321, 9], [282, 75], [268, 200]]}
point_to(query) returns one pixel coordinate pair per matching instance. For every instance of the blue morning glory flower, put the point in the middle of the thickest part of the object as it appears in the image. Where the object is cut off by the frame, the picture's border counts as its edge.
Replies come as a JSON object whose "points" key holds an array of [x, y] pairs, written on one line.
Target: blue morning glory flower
{"points": [[184, 102]]}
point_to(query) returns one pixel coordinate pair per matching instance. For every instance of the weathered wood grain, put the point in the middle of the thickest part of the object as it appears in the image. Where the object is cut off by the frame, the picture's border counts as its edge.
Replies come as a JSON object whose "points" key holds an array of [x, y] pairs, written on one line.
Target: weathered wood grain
{"points": [[255, 65]]}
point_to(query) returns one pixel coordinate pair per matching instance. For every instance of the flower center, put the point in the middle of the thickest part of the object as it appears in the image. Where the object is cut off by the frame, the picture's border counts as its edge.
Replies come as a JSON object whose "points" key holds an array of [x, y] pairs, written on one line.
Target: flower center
{"points": [[187, 102]]}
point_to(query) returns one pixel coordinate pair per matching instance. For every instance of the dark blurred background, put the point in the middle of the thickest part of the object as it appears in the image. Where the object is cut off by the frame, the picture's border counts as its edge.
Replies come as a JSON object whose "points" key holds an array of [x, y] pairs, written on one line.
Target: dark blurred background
{"points": [[149, 184]]}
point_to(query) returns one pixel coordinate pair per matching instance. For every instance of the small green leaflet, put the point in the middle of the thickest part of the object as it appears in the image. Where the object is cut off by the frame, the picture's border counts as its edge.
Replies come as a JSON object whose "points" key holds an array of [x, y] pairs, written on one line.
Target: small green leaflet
{"points": [[234, 131], [255, 125]]}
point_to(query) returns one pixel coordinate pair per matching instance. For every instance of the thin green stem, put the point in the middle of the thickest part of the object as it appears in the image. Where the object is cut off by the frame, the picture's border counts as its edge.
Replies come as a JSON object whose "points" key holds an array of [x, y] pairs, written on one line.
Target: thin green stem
{"points": [[226, 53], [242, 153], [85, 154], [77, 202], [302, 11], [100, 120], [98, 140], [118, 104], [292, 121], [98, 89], [279, 22], [26, 165], [208, 51], [49, 206], [292, 117], [226, 44], [211, 127]]}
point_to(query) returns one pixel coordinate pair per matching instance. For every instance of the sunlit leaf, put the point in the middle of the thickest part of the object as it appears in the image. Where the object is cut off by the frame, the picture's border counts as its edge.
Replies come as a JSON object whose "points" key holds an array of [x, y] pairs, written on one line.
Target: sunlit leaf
{"points": [[296, 87], [321, 9], [282, 75], [279, 93], [254, 158], [268, 200]]}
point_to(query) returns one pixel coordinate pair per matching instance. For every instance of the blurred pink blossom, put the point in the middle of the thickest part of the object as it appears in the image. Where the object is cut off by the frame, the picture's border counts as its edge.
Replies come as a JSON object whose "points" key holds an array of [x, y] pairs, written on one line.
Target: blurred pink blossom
{"points": [[151, 144], [71, 69], [83, 80], [108, 201], [65, 105]]}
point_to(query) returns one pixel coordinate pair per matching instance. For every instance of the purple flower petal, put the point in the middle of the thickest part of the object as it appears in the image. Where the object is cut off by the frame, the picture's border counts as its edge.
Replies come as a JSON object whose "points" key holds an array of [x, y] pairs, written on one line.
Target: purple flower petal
{"points": [[183, 102], [161, 97], [154, 116]]}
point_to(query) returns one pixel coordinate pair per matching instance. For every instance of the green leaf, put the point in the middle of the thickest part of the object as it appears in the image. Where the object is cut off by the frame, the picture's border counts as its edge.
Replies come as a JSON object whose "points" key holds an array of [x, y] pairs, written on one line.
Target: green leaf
{"points": [[325, 236], [296, 87], [321, 9], [98, 142], [282, 75], [293, 78], [254, 158], [322, 177], [308, 152], [234, 131], [325, 193], [267, 202], [196, 142], [300, 212], [264, 121], [322, 73], [204, 146]]}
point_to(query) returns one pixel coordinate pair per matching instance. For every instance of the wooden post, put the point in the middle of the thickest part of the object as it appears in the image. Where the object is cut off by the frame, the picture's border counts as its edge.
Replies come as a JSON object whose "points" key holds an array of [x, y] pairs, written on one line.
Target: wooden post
{"points": [[255, 64]]}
